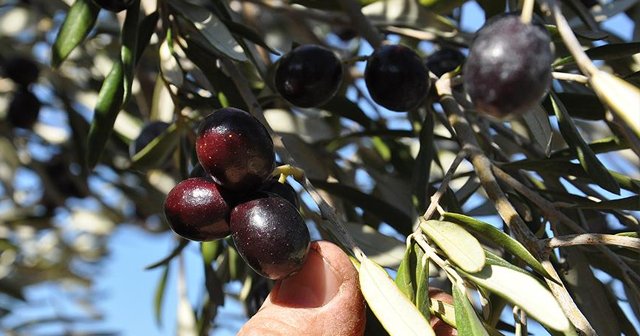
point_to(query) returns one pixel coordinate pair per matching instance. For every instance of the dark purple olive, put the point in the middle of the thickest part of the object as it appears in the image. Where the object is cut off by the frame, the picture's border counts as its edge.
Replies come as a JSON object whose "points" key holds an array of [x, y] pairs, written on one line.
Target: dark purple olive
{"points": [[114, 5], [21, 70], [270, 235], [24, 109], [236, 149], [396, 78], [148, 133], [196, 209], [444, 60], [508, 70], [308, 76]]}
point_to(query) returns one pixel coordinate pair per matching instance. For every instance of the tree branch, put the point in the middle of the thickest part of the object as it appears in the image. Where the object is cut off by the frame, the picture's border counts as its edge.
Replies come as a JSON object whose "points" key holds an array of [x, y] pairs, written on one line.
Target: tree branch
{"points": [[592, 239]]}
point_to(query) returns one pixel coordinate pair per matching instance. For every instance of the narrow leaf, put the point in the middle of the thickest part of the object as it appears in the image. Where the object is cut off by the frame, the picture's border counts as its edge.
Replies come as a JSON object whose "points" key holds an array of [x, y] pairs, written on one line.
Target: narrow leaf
{"points": [[210, 250], [413, 277], [524, 291], [609, 51], [147, 28], [467, 322], [384, 250], [76, 26], [128, 50], [456, 242], [499, 238], [158, 297], [396, 313], [107, 108], [176, 251], [158, 150], [586, 157], [211, 28]]}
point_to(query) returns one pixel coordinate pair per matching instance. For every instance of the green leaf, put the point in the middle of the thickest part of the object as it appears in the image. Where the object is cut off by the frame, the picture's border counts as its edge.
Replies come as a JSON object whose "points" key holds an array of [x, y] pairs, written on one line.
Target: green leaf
{"points": [[456, 242], [605, 52], [383, 210], [467, 322], [587, 158], [129, 48], [413, 277], [156, 152], [246, 32], [396, 313], [384, 250], [147, 28], [158, 297], [499, 238], [211, 28], [620, 96], [76, 26], [108, 106], [579, 105], [524, 291]]}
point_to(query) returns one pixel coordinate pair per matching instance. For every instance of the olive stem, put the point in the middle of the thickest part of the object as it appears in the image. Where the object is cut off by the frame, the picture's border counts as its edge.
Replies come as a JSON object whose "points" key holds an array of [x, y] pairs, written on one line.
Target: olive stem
{"points": [[527, 11], [592, 239]]}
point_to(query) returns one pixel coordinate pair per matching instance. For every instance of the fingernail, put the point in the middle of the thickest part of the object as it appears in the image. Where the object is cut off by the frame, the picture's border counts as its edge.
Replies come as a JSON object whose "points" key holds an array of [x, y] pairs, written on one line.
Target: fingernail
{"points": [[315, 285]]}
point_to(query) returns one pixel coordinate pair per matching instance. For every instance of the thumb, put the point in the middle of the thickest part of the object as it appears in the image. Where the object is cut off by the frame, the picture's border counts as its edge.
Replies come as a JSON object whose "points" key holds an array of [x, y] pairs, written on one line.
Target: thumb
{"points": [[323, 298]]}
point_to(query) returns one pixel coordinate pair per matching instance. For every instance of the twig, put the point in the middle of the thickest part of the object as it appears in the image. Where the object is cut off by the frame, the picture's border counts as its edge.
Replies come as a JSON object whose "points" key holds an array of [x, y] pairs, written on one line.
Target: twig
{"points": [[435, 198], [592, 239], [570, 77], [507, 212], [527, 11]]}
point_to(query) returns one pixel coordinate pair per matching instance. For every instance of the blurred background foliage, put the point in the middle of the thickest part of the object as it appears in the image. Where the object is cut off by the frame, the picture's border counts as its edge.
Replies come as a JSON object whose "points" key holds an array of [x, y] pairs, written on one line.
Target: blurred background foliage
{"points": [[375, 167]]}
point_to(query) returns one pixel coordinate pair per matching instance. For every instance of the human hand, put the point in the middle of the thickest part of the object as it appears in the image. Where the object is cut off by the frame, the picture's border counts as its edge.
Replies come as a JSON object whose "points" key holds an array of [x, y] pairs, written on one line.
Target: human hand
{"points": [[324, 298]]}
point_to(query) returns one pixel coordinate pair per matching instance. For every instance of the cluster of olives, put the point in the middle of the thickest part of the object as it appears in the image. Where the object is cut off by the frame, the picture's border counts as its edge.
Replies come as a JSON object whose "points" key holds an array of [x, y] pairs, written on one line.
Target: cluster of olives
{"points": [[24, 107], [508, 71], [234, 194], [395, 76]]}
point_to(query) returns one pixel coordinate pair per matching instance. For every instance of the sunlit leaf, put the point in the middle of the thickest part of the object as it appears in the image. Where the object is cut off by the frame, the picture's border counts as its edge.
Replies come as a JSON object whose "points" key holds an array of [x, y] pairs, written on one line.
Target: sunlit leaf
{"points": [[536, 300], [396, 313], [499, 238], [383, 250], [456, 242]]}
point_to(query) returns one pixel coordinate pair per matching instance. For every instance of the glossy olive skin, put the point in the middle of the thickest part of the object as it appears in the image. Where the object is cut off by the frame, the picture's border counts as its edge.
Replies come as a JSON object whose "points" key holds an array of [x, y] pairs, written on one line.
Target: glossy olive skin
{"points": [[508, 70], [235, 149], [270, 235], [444, 60], [114, 5], [148, 133], [21, 70], [283, 190], [396, 78], [197, 210], [24, 109], [308, 76]]}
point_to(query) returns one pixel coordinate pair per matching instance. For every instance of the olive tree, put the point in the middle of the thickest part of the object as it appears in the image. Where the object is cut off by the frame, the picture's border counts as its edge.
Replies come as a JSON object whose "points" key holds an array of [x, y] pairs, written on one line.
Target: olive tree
{"points": [[499, 165]]}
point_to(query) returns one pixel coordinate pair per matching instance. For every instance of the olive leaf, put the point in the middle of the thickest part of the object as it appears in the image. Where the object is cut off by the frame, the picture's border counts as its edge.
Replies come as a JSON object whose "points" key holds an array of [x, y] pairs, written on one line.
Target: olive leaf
{"points": [[396, 313], [160, 291], [76, 26], [467, 322], [457, 243]]}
